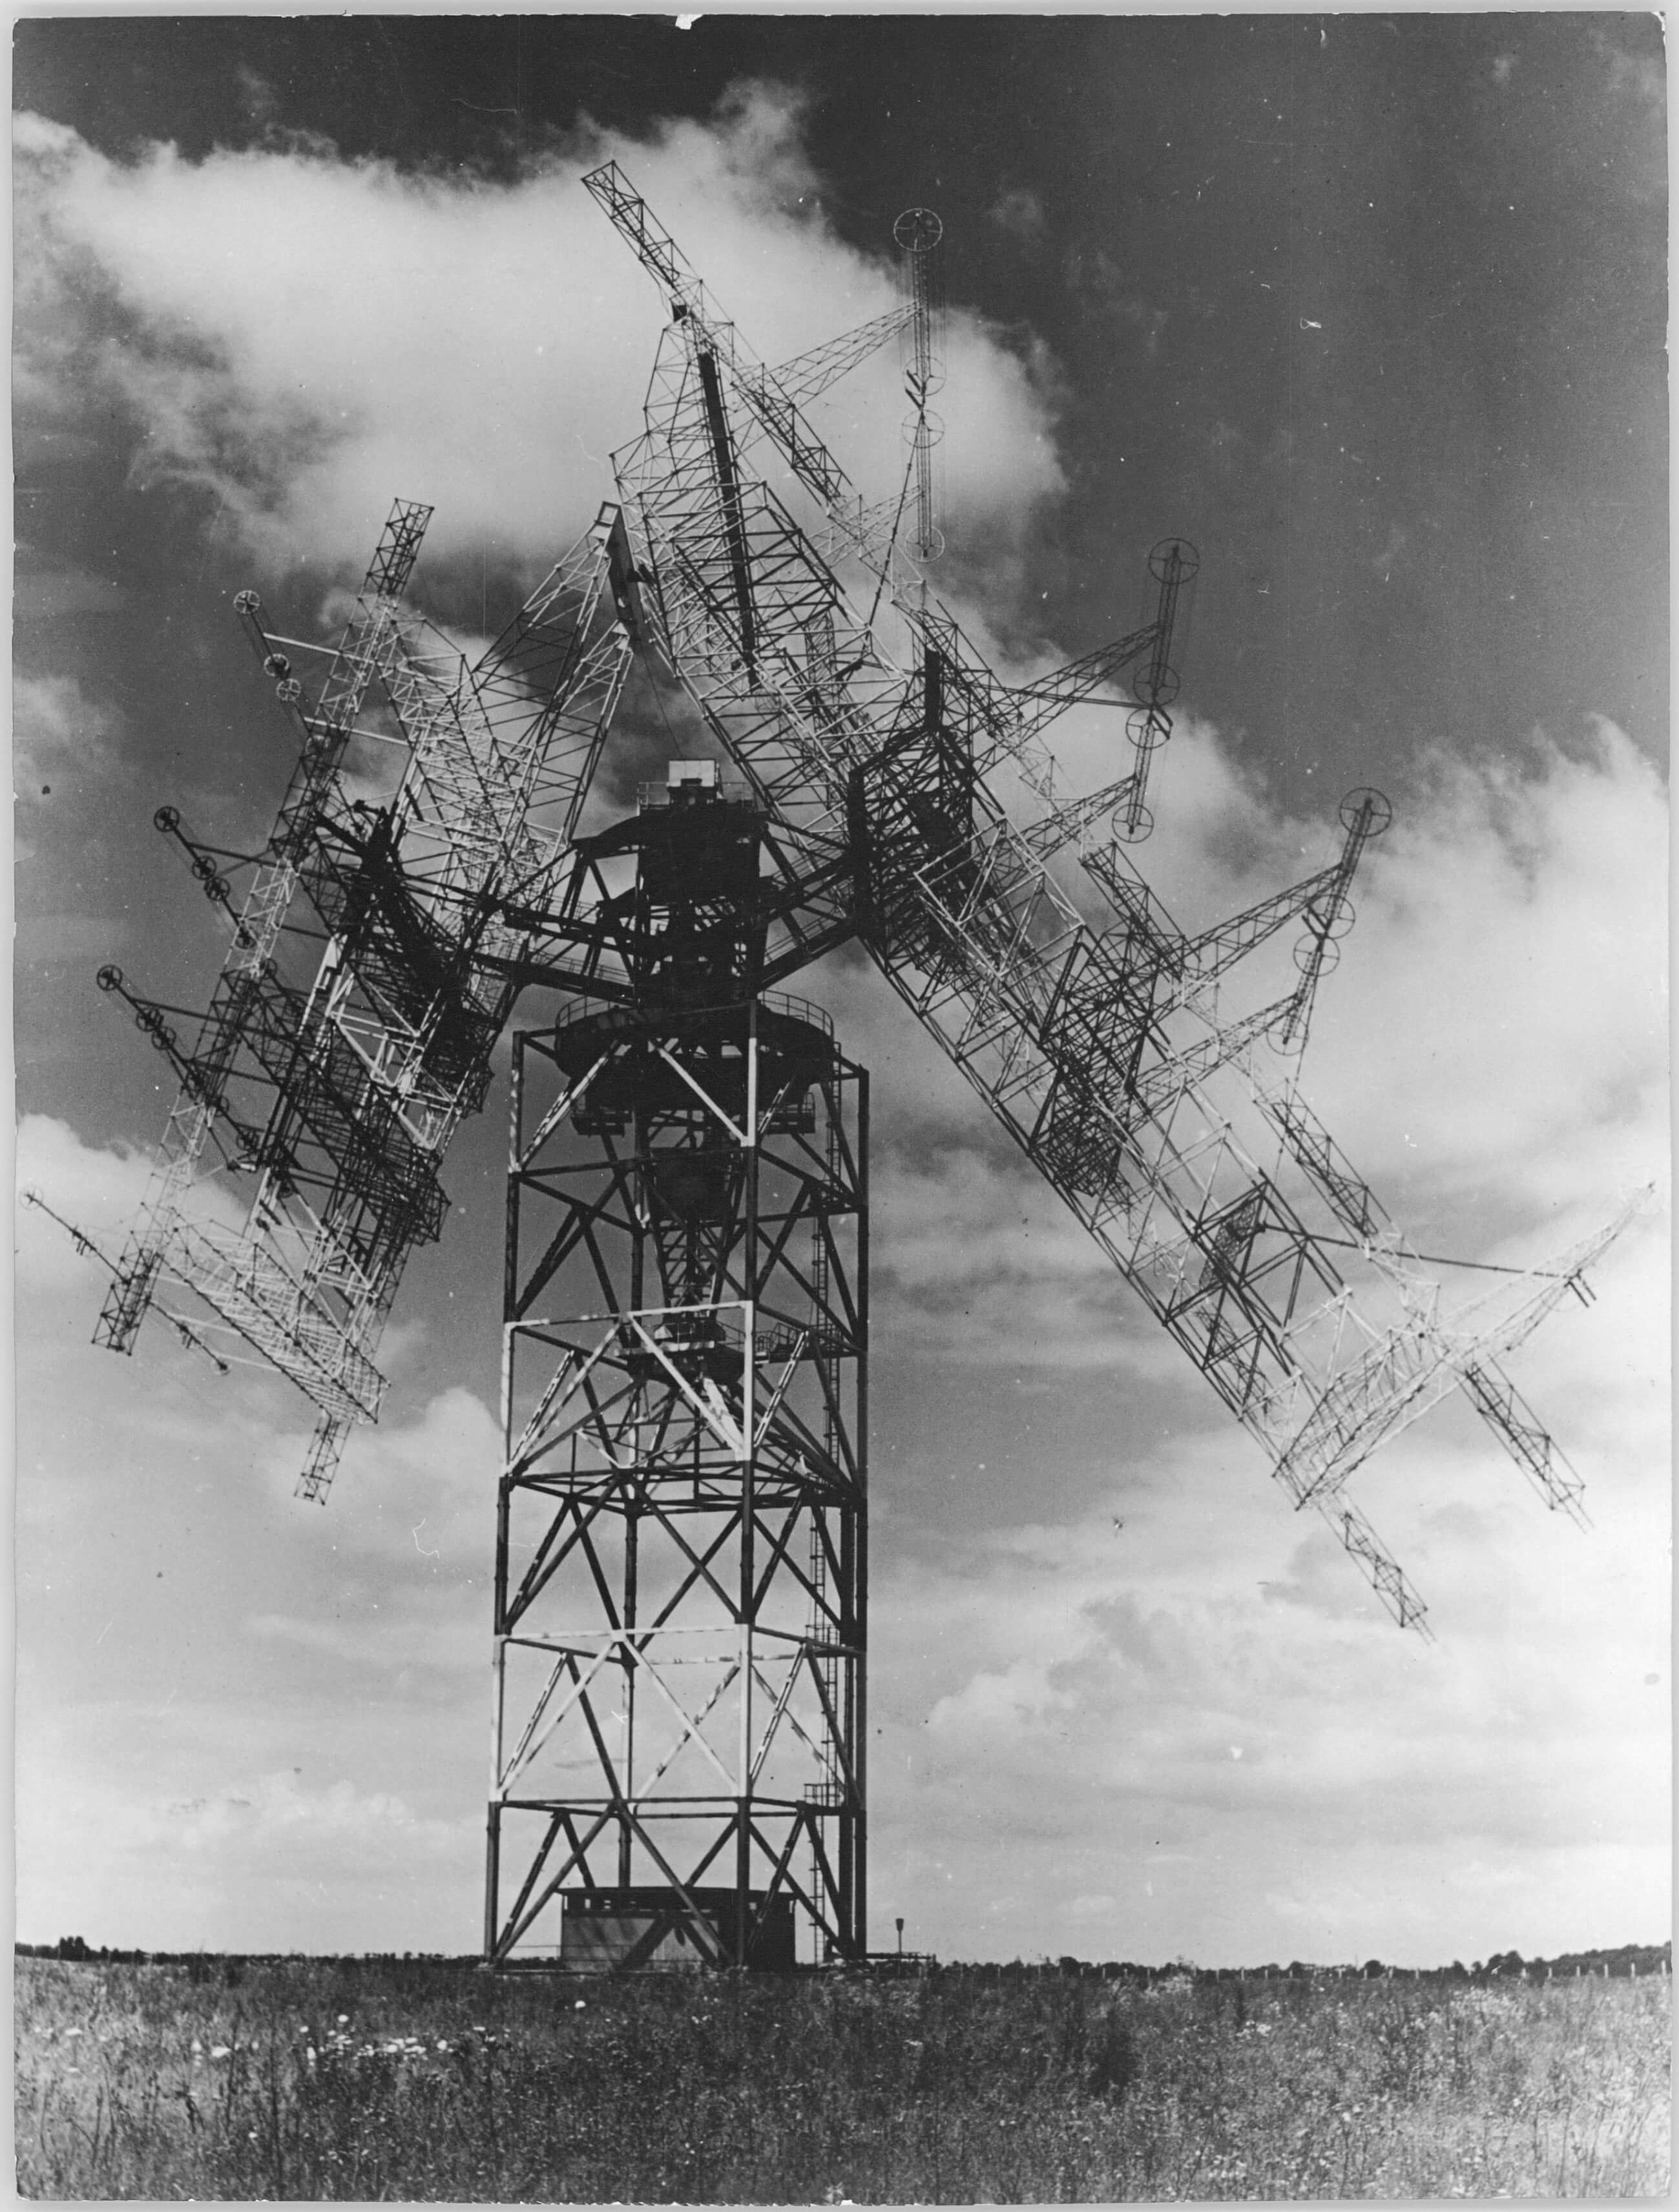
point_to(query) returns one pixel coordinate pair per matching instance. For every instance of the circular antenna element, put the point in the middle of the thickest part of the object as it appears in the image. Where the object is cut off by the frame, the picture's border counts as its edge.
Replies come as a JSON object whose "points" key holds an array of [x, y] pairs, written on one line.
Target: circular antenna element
{"points": [[1330, 921], [1278, 1037], [1173, 560], [918, 230], [1129, 828], [1353, 805], [1320, 952], [1158, 693]]}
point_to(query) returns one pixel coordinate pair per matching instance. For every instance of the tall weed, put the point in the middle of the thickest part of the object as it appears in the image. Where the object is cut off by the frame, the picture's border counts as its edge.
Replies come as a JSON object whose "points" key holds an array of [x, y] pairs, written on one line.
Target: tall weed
{"points": [[362, 2080]]}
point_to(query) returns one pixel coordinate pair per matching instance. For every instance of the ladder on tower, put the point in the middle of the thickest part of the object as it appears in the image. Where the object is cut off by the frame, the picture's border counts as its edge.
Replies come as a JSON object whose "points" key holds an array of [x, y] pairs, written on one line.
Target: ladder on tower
{"points": [[824, 1630]]}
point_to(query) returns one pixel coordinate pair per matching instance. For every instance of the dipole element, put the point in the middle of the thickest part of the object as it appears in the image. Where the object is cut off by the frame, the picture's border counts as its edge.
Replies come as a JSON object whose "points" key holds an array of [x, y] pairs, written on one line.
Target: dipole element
{"points": [[1364, 814], [918, 232], [1173, 564]]}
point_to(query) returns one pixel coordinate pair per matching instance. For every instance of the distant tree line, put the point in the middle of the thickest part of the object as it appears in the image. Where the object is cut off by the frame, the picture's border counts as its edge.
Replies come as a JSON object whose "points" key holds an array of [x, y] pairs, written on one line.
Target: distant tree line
{"points": [[1628, 1960], [229, 1964]]}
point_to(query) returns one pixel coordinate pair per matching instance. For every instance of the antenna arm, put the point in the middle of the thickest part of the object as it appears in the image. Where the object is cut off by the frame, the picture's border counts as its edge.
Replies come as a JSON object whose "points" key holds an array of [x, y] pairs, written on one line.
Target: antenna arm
{"points": [[757, 386], [149, 1015], [88, 1246], [1047, 696], [1328, 915], [216, 887], [807, 375], [1220, 948]]}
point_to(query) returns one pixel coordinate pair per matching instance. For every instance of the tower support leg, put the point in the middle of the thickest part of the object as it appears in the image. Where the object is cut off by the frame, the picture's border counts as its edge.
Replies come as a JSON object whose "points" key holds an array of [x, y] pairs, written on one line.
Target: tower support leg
{"points": [[680, 1602]]}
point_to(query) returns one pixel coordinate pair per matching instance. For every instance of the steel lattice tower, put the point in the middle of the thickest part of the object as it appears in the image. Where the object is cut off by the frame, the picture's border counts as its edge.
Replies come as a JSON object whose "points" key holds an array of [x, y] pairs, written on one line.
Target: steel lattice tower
{"points": [[681, 1573]]}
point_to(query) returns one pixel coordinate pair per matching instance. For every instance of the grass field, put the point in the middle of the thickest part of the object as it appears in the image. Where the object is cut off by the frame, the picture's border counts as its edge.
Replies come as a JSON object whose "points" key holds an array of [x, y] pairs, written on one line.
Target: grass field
{"points": [[361, 2080]]}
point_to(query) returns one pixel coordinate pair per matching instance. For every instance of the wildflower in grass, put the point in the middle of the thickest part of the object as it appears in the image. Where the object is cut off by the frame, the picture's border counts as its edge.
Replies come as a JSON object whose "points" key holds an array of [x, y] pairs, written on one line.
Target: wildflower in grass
{"points": [[218, 2051]]}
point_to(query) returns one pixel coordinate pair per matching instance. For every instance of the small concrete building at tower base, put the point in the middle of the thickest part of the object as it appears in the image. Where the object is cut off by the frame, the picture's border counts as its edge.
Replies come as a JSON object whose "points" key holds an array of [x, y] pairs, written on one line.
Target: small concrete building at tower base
{"points": [[619, 1931]]}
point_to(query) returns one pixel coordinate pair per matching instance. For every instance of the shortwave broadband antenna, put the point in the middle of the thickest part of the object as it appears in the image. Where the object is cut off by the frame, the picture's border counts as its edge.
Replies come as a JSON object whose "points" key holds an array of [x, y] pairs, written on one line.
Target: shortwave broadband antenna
{"points": [[1328, 917], [89, 1247], [1173, 564], [921, 272]]}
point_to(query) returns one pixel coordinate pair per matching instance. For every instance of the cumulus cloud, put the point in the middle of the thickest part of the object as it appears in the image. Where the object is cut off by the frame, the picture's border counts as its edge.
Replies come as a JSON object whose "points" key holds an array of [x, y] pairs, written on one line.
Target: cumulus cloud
{"points": [[976, 1259], [1182, 1679], [1497, 1024], [279, 1811], [306, 336], [429, 1470], [57, 730], [241, 1865], [67, 755], [424, 1489], [1500, 1012], [268, 1658], [1199, 1699], [99, 1187]]}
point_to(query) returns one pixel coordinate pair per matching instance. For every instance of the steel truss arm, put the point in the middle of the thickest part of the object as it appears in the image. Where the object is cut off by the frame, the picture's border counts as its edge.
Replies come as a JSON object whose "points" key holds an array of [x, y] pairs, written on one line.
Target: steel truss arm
{"points": [[981, 941], [807, 375], [1173, 565], [719, 352], [368, 1067], [1460, 1354], [1423, 1359], [206, 873], [1041, 699], [766, 399], [158, 1239], [1068, 1038]]}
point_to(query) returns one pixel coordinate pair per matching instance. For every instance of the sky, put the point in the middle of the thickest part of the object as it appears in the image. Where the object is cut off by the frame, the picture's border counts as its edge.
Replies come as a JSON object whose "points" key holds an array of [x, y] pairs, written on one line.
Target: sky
{"points": [[1371, 309]]}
